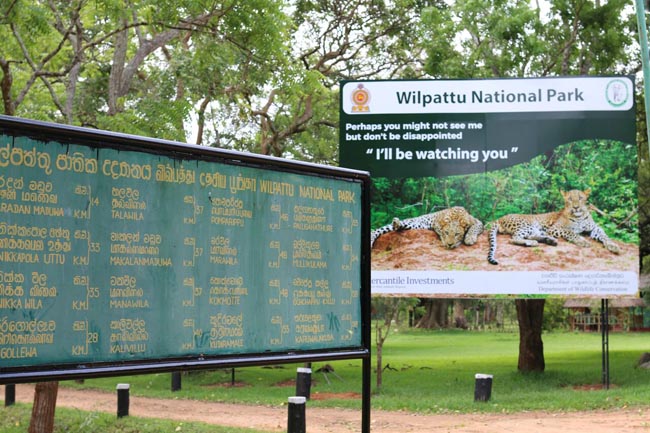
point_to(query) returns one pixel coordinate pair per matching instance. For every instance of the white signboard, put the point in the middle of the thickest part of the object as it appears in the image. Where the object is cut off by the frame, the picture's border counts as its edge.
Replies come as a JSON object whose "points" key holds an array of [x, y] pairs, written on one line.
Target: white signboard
{"points": [[499, 186]]}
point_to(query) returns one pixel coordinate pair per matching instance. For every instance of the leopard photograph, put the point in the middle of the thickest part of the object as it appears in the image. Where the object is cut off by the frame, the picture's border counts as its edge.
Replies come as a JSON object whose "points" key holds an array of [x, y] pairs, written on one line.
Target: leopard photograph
{"points": [[571, 209], [454, 226], [570, 223]]}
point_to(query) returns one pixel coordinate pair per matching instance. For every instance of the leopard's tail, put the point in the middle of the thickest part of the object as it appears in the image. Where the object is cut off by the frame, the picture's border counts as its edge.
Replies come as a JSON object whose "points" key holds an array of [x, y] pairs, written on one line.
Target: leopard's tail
{"points": [[374, 235], [492, 237]]}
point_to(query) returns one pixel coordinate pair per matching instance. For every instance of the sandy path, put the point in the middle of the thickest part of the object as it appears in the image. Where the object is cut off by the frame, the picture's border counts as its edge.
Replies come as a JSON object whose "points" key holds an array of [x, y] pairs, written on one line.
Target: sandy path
{"points": [[345, 421]]}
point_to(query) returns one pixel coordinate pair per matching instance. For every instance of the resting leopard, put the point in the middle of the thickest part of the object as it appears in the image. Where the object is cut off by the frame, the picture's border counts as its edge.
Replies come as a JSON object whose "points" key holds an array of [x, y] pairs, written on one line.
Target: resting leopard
{"points": [[454, 226], [569, 224]]}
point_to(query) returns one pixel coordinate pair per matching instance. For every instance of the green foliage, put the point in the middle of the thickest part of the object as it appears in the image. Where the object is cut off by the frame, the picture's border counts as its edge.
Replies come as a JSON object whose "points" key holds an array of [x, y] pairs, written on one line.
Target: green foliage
{"points": [[513, 38], [387, 308], [256, 75], [137, 67], [556, 317]]}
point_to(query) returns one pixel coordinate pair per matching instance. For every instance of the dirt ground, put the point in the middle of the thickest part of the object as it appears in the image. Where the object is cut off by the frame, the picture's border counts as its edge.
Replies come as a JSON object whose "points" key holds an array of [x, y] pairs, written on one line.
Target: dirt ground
{"points": [[274, 419], [421, 250]]}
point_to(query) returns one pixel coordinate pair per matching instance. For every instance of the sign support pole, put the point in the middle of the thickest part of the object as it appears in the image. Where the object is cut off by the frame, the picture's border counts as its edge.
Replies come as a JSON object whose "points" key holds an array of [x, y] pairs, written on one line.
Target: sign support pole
{"points": [[365, 395], [604, 323], [10, 394], [645, 59]]}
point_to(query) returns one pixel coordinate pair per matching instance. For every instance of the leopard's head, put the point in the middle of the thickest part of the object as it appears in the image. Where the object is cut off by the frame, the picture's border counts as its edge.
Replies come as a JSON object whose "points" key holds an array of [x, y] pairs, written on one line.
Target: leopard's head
{"points": [[575, 202], [452, 232]]}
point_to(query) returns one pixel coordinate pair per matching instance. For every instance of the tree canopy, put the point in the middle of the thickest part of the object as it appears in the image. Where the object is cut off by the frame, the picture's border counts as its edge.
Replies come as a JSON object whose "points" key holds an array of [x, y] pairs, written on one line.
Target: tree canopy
{"points": [[253, 75]]}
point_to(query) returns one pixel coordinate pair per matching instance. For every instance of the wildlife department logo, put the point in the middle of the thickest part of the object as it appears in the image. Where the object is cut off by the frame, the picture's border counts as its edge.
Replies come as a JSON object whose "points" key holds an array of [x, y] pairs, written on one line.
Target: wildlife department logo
{"points": [[360, 98], [617, 93]]}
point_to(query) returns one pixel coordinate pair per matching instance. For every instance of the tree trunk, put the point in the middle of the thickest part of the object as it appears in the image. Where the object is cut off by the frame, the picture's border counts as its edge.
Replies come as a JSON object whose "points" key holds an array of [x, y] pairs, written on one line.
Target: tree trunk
{"points": [[499, 315], [5, 85], [378, 352], [459, 314], [530, 313], [120, 45], [42, 420], [488, 314], [436, 315]]}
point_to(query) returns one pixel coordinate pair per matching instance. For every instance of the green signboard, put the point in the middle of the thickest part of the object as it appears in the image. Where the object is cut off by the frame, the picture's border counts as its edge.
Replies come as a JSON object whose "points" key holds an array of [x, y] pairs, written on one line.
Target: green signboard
{"points": [[119, 252]]}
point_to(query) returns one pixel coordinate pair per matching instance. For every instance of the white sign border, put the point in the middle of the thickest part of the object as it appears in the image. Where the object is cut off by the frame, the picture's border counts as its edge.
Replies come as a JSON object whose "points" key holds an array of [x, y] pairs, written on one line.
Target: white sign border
{"points": [[586, 283]]}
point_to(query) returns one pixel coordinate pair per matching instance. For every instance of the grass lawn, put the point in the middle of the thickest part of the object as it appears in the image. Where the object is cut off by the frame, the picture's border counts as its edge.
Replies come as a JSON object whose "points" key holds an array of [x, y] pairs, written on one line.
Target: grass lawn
{"points": [[433, 372]]}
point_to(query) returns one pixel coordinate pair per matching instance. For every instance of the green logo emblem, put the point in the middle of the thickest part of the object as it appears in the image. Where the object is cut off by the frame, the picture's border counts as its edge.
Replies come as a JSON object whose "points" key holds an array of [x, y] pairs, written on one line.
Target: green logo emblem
{"points": [[617, 92]]}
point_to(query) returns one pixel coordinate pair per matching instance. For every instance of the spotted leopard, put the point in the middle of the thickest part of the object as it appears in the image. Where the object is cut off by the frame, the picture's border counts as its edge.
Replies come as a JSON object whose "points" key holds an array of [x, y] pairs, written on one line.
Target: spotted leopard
{"points": [[569, 223], [454, 226]]}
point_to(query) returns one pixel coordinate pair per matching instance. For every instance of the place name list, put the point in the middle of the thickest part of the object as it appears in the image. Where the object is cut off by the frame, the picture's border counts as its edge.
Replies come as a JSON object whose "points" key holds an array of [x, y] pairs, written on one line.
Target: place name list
{"points": [[110, 255]]}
